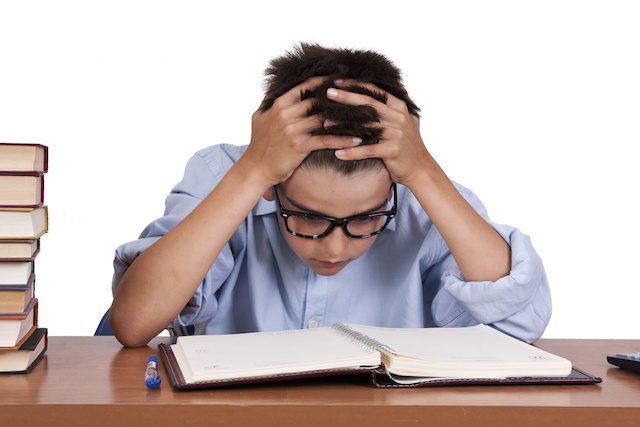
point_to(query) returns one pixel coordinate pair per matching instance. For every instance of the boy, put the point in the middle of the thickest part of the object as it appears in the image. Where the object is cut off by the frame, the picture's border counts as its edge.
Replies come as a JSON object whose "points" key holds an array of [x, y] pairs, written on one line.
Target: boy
{"points": [[334, 212]]}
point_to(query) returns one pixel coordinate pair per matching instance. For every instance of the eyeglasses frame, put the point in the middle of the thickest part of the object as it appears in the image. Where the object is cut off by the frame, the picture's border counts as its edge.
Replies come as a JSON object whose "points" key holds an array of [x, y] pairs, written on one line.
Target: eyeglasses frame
{"points": [[336, 222]]}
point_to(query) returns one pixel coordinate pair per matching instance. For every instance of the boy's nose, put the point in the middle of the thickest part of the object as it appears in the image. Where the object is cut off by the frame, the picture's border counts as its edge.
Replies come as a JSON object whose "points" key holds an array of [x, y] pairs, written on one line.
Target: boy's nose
{"points": [[336, 242]]}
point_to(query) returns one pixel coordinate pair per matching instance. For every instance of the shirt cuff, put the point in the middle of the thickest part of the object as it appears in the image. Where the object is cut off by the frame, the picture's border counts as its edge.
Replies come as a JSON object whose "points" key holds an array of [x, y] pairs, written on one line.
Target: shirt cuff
{"points": [[492, 302]]}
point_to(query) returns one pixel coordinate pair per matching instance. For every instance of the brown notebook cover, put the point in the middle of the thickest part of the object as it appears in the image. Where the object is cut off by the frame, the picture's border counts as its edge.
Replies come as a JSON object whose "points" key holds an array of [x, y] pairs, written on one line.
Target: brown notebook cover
{"points": [[577, 376], [177, 380], [379, 379]]}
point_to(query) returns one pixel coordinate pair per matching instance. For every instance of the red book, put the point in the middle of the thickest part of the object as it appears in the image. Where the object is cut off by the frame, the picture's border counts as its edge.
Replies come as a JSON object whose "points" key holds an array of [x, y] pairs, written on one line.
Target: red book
{"points": [[24, 158], [21, 190]]}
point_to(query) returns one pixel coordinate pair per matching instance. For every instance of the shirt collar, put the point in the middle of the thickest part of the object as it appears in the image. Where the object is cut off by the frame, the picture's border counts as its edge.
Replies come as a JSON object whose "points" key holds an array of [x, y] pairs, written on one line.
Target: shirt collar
{"points": [[264, 207]]}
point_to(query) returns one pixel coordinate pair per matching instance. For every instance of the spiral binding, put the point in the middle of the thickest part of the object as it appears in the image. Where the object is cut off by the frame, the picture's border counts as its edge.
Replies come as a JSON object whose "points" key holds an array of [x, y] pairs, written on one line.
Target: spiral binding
{"points": [[363, 341]]}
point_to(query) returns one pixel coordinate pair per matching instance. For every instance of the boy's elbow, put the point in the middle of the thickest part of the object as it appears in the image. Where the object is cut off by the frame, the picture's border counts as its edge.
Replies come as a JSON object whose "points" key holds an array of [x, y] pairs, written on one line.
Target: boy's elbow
{"points": [[128, 339], [128, 333]]}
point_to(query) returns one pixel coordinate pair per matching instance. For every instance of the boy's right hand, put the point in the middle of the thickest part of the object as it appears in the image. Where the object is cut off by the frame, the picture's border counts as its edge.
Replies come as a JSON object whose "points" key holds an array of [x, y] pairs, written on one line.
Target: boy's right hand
{"points": [[281, 136]]}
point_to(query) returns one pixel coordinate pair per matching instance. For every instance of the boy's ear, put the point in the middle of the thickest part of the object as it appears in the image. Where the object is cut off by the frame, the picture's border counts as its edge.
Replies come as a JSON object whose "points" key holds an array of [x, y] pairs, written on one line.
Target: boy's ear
{"points": [[268, 195]]}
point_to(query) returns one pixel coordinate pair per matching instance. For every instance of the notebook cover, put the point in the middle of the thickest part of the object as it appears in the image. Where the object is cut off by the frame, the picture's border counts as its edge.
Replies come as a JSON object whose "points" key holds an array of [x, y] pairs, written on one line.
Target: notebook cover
{"points": [[380, 380], [177, 380], [577, 376]]}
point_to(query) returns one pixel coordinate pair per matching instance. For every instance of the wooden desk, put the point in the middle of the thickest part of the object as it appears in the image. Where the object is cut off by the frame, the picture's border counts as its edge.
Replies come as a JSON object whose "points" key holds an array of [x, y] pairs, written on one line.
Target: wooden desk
{"points": [[94, 381]]}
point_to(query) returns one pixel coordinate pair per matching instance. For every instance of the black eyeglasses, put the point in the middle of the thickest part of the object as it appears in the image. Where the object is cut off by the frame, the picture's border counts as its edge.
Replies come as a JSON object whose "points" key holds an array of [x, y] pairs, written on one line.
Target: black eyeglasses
{"points": [[310, 226]]}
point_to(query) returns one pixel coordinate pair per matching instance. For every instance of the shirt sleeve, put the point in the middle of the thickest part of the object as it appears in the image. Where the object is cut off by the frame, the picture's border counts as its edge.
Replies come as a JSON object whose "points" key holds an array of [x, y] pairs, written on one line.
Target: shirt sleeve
{"points": [[518, 304], [198, 181]]}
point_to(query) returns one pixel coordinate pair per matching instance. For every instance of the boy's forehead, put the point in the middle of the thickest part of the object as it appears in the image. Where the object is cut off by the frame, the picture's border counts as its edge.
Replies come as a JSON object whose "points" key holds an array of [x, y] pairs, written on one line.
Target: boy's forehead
{"points": [[305, 175], [333, 194]]}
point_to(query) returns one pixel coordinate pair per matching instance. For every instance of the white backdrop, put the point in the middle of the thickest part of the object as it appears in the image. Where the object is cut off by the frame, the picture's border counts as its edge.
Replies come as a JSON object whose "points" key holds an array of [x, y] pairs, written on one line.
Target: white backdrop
{"points": [[534, 105]]}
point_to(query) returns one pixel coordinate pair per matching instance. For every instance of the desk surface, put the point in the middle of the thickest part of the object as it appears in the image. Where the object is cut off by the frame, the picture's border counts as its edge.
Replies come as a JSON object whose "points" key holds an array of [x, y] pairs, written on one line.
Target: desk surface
{"points": [[95, 380]]}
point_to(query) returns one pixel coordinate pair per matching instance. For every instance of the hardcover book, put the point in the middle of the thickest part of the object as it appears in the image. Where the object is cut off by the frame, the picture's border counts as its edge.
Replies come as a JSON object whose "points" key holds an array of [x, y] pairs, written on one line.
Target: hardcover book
{"points": [[21, 190], [19, 250], [23, 359], [16, 328], [15, 273], [23, 157], [23, 223], [16, 299]]}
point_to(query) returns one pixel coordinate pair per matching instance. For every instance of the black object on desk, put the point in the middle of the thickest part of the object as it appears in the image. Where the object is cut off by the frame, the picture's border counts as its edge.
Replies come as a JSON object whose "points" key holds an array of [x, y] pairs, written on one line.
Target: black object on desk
{"points": [[630, 361]]}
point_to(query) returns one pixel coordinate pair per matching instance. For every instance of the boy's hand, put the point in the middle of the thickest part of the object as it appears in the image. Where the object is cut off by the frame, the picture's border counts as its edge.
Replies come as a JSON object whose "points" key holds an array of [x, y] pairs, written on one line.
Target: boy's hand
{"points": [[281, 136], [400, 147], [480, 252]]}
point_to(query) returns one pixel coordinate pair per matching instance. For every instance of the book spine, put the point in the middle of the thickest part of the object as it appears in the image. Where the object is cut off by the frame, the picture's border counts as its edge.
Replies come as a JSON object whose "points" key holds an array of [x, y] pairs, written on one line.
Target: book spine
{"points": [[361, 340]]}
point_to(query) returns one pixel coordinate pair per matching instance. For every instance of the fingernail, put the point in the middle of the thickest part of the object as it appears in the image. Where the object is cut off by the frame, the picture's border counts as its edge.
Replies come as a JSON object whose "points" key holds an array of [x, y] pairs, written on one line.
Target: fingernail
{"points": [[328, 123], [340, 153], [356, 140], [339, 81], [332, 93]]}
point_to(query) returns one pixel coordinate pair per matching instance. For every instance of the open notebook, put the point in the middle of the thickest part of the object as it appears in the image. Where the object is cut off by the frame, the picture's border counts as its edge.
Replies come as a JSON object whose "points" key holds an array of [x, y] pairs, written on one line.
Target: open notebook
{"points": [[395, 357]]}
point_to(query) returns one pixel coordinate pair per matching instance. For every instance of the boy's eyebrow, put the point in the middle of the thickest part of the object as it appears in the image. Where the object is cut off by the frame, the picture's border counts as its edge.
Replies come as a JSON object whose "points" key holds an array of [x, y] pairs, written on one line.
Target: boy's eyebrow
{"points": [[305, 209]]}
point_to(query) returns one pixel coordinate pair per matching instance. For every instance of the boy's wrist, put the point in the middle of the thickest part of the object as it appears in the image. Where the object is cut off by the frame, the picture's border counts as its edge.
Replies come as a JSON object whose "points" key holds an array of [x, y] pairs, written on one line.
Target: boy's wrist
{"points": [[425, 177], [252, 174]]}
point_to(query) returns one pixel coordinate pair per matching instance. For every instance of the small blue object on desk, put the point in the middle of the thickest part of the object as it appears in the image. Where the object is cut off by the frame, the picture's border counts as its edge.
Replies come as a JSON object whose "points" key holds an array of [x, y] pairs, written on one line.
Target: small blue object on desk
{"points": [[151, 378]]}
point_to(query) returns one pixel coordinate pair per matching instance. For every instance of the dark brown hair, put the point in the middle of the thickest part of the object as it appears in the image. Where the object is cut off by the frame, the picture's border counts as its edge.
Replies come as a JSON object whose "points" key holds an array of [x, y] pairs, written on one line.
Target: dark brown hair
{"points": [[310, 60]]}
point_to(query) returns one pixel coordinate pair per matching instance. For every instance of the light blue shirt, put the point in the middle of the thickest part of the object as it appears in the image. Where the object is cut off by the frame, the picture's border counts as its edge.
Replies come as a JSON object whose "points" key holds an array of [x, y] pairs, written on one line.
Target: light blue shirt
{"points": [[407, 278]]}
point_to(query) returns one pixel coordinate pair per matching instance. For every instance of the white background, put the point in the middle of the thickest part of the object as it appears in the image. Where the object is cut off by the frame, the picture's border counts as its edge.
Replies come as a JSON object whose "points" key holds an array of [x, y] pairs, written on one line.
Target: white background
{"points": [[534, 105]]}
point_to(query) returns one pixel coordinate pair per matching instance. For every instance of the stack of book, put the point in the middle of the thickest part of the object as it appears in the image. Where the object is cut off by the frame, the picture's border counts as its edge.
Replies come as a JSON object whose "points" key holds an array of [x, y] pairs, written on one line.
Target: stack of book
{"points": [[23, 220]]}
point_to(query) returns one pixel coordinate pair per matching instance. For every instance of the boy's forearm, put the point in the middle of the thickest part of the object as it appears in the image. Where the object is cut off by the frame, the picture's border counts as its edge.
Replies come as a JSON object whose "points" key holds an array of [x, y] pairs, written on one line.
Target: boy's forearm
{"points": [[160, 282], [480, 252]]}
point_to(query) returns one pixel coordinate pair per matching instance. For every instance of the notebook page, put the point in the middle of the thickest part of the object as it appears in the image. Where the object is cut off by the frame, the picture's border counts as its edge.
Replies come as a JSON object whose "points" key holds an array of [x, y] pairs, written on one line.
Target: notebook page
{"points": [[477, 351], [216, 357]]}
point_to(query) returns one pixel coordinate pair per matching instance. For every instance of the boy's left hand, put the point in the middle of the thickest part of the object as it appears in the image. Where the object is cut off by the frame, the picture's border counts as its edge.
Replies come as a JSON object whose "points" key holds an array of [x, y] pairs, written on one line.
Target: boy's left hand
{"points": [[401, 147], [480, 252]]}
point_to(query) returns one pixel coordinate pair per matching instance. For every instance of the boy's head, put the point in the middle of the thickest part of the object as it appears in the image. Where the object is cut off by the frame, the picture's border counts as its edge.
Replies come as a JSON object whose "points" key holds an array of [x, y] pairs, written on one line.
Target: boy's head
{"points": [[310, 60], [324, 185]]}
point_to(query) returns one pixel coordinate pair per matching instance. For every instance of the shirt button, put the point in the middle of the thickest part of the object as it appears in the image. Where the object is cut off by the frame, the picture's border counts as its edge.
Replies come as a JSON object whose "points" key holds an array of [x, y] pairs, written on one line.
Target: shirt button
{"points": [[312, 324]]}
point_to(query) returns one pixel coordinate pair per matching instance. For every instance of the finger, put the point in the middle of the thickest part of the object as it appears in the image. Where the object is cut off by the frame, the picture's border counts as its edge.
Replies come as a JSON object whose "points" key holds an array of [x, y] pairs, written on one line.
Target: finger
{"points": [[351, 98], [292, 96], [345, 83], [294, 112], [392, 101], [332, 142], [387, 113], [361, 152], [301, 135]]}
